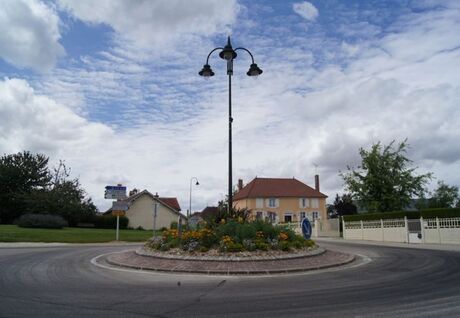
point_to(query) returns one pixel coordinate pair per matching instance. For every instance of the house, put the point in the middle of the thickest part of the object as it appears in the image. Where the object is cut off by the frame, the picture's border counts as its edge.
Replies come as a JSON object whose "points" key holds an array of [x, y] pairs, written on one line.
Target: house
{"points": [[199, 217], [141, 208], [281, 200]]}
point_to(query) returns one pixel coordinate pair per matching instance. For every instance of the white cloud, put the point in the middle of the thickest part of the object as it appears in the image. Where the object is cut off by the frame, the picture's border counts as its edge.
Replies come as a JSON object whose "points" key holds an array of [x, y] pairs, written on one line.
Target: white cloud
{"points": [[156, 24], [29, 34], [306, 10]]}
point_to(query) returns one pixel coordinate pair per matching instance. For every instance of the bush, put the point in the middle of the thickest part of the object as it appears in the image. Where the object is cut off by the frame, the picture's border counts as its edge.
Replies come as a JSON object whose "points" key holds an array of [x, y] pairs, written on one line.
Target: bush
{"points": [[45, 221], [173, 225], [382, 216], [110, 222], [440, 213], [426, 213]]}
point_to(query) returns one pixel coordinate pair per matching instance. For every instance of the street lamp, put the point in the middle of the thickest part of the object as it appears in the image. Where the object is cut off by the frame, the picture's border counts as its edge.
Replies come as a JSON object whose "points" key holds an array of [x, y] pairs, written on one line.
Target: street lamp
{"points": [[190, 201], [229, 54]]}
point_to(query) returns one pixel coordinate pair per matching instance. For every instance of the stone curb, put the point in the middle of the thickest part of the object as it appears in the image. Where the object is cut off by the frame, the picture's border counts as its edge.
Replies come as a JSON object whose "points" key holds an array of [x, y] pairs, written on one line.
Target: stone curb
{"points": [[350, 258], [149, 253]]}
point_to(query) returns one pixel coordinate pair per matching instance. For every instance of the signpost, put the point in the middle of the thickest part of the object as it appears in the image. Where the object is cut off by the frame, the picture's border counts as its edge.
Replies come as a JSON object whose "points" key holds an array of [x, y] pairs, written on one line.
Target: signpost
{"points": [[119, 207], [115, 192], [306, 228], [155, 211]]}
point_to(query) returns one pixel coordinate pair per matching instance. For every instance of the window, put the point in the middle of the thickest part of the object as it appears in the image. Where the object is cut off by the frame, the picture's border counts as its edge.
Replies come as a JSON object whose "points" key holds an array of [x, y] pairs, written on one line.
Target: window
{"points": [[272, 203], [288, 217], [259, 215], [259, 203], [315, 215], [304, 202], [302, 216], [271, 217], [314, 203]]}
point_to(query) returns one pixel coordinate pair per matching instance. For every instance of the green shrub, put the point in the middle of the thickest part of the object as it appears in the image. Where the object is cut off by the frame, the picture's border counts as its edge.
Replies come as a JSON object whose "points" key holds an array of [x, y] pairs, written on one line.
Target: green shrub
{"points": [[234, 247], [260, 245], [173, 225], [270, 231], [162, 229], [246, 232], [46, 221], [426, 213], [284, 246], [108, 221], [440, 213]]}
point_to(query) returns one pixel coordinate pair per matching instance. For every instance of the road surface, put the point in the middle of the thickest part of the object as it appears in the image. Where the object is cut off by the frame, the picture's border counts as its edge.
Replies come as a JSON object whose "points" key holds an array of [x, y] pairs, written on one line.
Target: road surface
{"points": [[62, 282]]}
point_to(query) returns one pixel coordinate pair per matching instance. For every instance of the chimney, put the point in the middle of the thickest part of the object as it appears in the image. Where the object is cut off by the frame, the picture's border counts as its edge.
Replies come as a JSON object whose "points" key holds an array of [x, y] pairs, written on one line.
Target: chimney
{"points": [[316, 182], [133, 192], [240, 184]]}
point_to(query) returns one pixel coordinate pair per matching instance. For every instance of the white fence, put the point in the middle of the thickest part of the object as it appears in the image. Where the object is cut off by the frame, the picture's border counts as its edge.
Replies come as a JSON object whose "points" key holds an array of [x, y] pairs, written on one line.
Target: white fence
{"points": [[437, 230]]}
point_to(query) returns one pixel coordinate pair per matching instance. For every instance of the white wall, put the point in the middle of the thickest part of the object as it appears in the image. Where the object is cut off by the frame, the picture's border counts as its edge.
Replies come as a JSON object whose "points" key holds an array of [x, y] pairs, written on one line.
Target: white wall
{"points": [[140, 213], [440, 231]]}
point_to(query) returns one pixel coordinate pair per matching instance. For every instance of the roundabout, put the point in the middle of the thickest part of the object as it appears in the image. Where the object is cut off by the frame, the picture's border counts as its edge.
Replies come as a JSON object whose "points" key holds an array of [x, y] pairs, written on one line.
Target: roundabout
{"points": [[268, 263], [61, 281]]}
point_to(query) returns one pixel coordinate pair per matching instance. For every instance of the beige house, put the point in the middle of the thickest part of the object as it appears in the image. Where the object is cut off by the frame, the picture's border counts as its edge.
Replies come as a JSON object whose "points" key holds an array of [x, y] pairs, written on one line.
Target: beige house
{"points": [[281, 200], [141, 207]]}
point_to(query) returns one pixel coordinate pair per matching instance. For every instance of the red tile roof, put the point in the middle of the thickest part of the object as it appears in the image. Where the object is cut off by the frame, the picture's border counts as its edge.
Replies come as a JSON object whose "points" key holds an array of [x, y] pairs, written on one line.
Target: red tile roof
{"points": [[172, 202], [277, 187]]}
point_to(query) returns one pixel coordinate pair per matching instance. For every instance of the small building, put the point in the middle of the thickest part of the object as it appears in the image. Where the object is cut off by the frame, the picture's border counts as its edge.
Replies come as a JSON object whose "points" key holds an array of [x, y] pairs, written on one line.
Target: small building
{"points": [[281, 199], [141, 208]]}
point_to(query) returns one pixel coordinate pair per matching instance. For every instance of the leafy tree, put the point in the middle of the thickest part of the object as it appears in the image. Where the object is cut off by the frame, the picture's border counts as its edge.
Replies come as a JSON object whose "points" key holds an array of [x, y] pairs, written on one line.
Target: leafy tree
{"points": [[384, 181], [344, 205], [444, 196], [30, 187], [20, 175]]}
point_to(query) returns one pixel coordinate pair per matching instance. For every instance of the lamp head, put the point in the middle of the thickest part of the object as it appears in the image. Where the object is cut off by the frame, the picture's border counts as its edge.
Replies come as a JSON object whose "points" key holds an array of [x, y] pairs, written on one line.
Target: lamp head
{"points": [[197, 183], [206, 71], [228, 53], [254, 70]]}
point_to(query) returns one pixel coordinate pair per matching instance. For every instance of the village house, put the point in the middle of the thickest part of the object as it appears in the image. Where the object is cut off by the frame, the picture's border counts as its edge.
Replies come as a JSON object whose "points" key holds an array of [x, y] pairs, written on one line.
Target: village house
{"points": [[281, 199], [141, 207]]}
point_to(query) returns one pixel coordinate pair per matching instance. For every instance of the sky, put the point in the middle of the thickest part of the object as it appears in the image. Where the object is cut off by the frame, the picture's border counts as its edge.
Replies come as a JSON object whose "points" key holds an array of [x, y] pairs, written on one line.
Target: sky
{"points": [[112, 88]]}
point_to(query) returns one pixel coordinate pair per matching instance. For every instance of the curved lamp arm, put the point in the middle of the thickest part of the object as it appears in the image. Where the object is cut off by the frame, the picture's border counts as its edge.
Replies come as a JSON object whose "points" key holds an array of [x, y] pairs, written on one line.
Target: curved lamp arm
{"points": [[209, 55], [244, 49]]}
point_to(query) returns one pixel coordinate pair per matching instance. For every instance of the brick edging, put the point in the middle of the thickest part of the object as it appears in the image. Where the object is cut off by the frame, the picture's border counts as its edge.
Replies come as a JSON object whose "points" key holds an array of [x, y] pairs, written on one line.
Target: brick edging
{"points": [[229, 258], [350, 258]]}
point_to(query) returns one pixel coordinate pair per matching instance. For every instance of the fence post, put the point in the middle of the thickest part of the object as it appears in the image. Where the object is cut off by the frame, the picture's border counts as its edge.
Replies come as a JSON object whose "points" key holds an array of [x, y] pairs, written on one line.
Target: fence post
{"points": [[439, 230], [343, 228], [362, 230], [406, 226], [383, 231], [422, 229]]}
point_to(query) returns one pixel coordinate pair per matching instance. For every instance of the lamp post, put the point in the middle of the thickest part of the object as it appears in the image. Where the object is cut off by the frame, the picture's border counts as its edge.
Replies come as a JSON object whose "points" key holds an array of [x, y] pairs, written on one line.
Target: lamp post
{"points": [[190, 201], [229, 54]]}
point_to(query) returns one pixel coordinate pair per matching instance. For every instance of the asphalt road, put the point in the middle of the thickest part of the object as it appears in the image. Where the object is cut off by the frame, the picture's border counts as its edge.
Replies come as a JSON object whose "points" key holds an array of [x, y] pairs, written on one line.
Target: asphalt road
{"points": [[62, 282]]}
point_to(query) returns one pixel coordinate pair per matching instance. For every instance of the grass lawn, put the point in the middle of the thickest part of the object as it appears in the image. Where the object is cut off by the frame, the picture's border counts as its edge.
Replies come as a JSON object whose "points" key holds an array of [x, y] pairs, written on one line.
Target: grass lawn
{"points": [[13, 233]]}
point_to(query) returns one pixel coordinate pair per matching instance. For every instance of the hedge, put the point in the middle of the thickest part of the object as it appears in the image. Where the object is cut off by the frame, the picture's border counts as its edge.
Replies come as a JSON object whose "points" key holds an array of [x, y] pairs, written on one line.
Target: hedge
{"points": [[44, 221], [110, 222], [440, 213], [427, 213]]}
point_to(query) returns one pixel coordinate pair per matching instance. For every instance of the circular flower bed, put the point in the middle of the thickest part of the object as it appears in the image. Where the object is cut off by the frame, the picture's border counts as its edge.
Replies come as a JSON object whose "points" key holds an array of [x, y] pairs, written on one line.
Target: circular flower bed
{"points": [[233, 236]]}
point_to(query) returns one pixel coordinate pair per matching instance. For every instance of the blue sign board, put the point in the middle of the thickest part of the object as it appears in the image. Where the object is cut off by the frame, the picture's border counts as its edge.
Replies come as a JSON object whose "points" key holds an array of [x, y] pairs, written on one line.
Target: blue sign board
{"points": [[119, 188], [306, 228]]}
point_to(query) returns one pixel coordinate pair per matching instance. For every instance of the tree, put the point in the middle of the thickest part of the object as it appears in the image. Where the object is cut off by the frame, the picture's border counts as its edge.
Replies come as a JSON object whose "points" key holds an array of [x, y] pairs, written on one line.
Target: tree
{"points": [[385, 181], [29, 186], [444, 196], [344, 205], [20, 175]]}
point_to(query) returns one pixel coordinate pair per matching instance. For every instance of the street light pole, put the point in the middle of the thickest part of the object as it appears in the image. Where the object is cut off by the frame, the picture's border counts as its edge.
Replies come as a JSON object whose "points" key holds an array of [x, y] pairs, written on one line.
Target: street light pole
{"points": [[229, 54], [190, 199]]}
